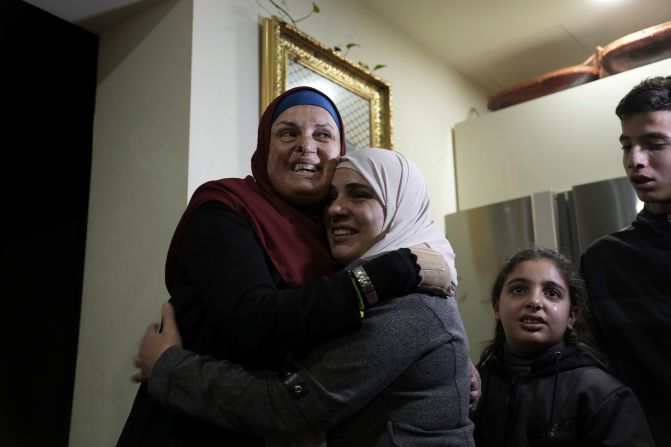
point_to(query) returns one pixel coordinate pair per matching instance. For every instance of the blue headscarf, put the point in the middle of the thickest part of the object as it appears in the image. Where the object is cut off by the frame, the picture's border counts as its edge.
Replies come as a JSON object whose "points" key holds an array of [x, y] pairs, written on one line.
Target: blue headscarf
{"points": [[310, 98]]}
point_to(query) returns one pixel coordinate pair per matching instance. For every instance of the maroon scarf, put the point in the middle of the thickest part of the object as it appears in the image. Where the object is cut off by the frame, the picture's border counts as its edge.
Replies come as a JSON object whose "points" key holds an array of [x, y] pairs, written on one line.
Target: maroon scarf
{"points": [[292, 237]]}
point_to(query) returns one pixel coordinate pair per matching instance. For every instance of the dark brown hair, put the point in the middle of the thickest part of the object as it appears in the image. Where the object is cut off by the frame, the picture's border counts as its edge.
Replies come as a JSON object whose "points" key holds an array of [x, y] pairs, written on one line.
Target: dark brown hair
{"points": [[651, 95]]}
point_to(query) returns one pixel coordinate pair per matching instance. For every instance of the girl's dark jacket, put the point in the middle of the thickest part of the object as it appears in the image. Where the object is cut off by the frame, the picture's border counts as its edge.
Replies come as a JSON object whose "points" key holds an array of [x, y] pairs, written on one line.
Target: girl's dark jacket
{"points": [[558, 398]]}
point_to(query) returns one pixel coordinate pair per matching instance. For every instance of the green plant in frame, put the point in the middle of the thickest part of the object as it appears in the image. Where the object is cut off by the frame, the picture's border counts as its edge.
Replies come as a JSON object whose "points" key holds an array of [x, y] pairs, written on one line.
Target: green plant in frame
{"points": [[284, 12]]}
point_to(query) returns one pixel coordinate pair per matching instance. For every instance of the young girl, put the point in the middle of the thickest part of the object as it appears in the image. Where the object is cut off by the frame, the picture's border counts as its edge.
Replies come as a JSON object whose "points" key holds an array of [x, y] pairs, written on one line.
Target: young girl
{"points": [[542, 382]]}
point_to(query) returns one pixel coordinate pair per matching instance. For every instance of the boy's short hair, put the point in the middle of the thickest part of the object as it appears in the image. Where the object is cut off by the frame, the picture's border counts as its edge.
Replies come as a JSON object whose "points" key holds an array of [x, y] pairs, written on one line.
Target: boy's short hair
{"points": [[651, 95]]}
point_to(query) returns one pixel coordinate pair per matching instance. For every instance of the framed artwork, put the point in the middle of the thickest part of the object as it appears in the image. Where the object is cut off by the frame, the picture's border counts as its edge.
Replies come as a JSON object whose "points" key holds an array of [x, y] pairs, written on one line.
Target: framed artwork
{"points": [[291, 58]]}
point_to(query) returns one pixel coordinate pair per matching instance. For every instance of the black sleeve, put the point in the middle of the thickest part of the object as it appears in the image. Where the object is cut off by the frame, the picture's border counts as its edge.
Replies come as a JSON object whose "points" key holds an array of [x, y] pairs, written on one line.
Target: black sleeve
{"points": [[358, 369], [221, 259], [589, 314]]}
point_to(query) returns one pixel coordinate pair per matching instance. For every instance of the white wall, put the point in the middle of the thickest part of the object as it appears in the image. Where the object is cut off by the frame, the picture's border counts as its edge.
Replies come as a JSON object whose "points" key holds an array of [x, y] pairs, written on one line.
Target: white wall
{"points": [[178, 104], [550, 143], [224, 89], [138, 191], [428, 97]]}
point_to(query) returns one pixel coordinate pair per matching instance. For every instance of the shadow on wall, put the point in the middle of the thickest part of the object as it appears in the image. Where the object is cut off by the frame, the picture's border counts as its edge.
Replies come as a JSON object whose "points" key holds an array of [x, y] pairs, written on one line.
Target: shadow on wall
{"points": [[50, 94]]}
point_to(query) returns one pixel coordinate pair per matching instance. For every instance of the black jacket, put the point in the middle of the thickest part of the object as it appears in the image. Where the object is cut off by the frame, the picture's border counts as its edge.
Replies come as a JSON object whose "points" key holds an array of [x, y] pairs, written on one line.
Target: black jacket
{"points": [[557, 398], [628, 275]]}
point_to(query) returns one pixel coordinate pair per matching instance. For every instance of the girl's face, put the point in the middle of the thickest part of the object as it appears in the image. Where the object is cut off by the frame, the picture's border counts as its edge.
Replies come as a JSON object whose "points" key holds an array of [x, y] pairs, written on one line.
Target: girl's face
{"points": [[354, 217], [534, 306]]}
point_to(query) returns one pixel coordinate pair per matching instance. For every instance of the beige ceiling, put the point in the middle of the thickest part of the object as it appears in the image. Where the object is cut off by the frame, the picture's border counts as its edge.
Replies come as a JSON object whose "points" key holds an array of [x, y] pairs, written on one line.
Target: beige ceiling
{"points": [[498, 43]]}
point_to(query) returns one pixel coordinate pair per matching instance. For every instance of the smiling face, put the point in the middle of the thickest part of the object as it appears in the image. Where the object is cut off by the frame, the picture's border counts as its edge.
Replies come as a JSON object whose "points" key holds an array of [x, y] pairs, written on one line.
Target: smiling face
{"points": [[304, 142], [354, 217], [646, 156], [534, 306]]}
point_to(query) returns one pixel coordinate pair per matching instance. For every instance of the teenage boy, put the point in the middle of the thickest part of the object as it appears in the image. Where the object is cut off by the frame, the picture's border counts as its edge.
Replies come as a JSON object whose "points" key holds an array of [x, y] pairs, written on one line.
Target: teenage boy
{"points": [[628, 273]]}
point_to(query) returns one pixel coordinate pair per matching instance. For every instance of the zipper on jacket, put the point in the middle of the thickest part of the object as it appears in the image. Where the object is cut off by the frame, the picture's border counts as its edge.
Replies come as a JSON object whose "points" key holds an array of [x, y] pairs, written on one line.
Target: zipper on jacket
{"points": [[551, 427], [511, 408]]}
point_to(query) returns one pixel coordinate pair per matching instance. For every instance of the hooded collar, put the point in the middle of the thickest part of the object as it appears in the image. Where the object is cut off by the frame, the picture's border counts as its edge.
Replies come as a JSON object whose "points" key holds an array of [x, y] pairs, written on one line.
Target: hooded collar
{"points": [[647, 219], [558, 358]]}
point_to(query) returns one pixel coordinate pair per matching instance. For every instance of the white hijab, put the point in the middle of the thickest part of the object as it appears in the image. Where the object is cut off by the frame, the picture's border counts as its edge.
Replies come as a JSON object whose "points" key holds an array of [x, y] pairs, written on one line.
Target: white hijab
{"points": [[400, 187]]}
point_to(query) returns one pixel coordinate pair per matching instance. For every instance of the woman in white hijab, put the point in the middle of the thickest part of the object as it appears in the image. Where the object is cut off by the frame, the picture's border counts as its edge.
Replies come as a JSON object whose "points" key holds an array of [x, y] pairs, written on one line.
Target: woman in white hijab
{"points": [[401, 189], [402, 380]]}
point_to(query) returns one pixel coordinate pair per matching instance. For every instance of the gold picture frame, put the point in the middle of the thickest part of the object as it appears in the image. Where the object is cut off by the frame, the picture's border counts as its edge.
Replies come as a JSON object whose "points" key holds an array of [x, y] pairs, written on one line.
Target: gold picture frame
{"points": [[290, 58]]}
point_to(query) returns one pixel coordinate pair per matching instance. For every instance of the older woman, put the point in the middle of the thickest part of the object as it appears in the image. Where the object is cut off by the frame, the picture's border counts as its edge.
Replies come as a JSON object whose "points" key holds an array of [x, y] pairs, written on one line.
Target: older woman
{"points": [[402, 380], [239, 247]]}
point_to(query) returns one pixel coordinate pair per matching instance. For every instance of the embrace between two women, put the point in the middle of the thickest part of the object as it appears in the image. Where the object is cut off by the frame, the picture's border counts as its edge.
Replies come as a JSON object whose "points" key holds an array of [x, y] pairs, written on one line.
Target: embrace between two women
{"points": [[290, 346]]}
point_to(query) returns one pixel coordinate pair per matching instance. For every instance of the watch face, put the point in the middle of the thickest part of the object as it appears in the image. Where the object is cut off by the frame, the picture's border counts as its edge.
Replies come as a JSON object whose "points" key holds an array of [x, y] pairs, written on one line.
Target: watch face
{"points": [[365, 284]]}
